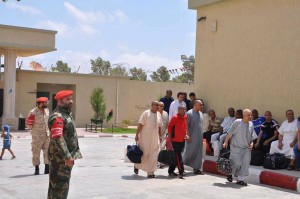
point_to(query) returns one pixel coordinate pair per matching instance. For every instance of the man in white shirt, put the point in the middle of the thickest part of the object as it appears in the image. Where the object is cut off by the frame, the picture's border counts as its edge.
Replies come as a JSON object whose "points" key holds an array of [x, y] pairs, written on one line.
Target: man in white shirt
{"points": [[226, 124], [287, 134], [175, 104]]}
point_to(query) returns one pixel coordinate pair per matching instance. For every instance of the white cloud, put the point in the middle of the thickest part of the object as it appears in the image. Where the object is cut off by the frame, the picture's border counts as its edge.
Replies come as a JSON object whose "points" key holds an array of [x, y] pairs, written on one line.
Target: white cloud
{"points": [[23, 8], [88, 20], [121, 16], [147, 62], [61, 28]]}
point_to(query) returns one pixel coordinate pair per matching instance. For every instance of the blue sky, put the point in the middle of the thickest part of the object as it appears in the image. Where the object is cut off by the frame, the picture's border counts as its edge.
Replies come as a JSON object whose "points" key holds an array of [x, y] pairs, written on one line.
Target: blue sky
{"points": [[141, 33]]}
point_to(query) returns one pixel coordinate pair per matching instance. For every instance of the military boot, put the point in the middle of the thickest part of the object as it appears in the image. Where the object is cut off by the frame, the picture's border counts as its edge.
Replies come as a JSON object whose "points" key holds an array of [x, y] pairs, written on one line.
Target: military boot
{"points": [[46, 169], [37, 170]]}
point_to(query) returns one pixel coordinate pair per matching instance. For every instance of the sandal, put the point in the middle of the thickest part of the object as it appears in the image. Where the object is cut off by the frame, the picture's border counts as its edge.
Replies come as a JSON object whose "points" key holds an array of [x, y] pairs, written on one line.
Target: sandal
{"points": [[241, 183], [135, 170], [198, 172], [229, 178], [151, 176]]}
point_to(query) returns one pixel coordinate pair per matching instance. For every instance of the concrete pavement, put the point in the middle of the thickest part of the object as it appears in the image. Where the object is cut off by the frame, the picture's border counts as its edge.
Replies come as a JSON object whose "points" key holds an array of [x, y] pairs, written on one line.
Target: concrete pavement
{"points": [[102, 173]]}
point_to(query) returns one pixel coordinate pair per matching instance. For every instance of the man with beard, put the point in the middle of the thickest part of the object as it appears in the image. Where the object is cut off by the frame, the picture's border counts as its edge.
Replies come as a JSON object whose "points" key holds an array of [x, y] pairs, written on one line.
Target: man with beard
{"points": [[63, 147], [37, 121]]}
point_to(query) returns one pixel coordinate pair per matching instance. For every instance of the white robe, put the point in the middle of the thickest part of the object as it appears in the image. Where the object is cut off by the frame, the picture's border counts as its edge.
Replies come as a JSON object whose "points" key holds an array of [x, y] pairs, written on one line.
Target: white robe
{"points": [[288, 131], [149, 140]]}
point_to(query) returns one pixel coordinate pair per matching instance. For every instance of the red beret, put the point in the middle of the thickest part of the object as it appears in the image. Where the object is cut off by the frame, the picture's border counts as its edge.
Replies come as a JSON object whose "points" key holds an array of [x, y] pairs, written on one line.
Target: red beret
{"points": [[62, 94], [41, 99]]}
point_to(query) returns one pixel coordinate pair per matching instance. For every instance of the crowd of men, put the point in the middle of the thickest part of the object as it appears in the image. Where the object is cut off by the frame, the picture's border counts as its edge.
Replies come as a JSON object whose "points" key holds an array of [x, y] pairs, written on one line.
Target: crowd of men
{"points": [[182, 125]]}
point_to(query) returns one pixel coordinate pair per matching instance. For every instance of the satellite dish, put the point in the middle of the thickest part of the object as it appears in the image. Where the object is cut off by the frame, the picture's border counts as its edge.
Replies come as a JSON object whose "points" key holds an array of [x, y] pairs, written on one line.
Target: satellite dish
{"points": [[36, 66]]}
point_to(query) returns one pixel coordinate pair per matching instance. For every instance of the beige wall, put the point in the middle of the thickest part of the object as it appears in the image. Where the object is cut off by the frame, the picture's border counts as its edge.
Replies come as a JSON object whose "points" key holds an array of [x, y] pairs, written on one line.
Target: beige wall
{"points": [[252, 60], [134, 96]]}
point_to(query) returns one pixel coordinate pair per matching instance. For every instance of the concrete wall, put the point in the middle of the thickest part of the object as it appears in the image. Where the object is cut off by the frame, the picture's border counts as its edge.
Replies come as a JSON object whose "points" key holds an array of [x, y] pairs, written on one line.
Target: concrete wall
{"points": [[252, 60], [133, 96]]}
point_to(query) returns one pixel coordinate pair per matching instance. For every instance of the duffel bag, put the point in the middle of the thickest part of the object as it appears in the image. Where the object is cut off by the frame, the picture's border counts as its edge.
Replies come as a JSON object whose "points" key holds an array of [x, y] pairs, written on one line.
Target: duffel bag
{"points": [[257, 158], [275, 161]]}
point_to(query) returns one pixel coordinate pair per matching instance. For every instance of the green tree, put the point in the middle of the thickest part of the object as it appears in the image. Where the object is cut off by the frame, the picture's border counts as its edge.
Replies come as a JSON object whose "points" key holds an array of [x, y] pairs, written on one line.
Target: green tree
{"points": [[119, 70], [98, 103], [100, 66], [187, 76], [61, 67], [137, 74], [161, 75]]}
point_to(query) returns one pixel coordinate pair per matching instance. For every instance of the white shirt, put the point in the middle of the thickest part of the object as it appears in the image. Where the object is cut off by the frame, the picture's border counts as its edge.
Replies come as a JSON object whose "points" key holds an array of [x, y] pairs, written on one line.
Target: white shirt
{"points": [[205, 122], [288, 131], [226, 124], [174, 108]]}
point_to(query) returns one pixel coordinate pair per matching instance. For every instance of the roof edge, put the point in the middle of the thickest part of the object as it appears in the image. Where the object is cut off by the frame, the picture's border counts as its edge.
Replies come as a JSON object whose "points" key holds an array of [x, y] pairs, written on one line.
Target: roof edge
{"points": [[195, 4]]}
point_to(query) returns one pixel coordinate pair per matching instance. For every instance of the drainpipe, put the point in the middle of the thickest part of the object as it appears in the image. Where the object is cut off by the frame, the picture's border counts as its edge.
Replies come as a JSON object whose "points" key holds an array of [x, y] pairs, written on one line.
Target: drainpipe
{"points": [[117, 104]]}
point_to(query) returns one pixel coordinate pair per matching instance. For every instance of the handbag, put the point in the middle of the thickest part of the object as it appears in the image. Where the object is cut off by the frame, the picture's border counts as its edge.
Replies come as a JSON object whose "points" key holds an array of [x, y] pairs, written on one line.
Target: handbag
{"points": [[134, 153], [224, 163], [167, 157], [275, 161], [257, 158]]}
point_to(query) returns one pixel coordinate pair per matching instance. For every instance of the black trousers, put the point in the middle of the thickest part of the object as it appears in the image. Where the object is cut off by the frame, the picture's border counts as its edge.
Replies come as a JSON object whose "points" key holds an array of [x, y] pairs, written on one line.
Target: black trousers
{"points": [[207, 135], [178, 149], [265, 149]]}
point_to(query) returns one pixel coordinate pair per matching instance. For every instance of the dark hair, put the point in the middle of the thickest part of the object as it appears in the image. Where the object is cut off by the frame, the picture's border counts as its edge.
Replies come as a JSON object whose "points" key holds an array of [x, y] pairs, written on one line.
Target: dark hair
{"points": [[192, 94], [169, 90], [289, 111], [179, 93], [239, 111]]}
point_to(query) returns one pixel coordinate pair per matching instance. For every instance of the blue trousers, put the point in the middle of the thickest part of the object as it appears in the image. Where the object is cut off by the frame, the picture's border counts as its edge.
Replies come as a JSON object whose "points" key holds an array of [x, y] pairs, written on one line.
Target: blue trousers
{"points": [[297, 155]]}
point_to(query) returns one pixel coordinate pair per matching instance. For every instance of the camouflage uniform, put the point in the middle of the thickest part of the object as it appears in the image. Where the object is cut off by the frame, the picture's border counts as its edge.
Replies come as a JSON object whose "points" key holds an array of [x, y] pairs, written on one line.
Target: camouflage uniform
{"points": [[37, 121], [63, 145]]}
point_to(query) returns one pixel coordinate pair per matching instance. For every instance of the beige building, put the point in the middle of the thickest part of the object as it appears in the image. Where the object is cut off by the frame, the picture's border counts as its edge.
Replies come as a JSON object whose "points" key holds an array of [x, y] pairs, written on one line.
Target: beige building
{"points": [[247, 54], [20, 88], [128, 98], [19, 42]]}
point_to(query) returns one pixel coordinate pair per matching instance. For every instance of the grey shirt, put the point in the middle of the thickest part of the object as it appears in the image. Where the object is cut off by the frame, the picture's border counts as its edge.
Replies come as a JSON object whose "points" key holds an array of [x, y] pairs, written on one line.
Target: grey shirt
{"points": [[241, 133]]}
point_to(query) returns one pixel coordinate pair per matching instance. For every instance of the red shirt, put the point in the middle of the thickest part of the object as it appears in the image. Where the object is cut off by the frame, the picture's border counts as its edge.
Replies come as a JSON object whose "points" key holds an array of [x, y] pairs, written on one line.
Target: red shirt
{"points": [[180, 128]]}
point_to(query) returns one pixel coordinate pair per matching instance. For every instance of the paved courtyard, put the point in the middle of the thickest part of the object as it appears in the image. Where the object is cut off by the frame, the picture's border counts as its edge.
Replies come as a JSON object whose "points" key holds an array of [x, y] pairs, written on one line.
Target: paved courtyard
{"points": [[102, 173]]}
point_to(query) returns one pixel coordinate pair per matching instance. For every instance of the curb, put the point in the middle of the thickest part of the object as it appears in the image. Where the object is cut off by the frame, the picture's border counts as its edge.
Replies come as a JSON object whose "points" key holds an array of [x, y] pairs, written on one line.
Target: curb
{"points": [[81, 136], [261, 177]]}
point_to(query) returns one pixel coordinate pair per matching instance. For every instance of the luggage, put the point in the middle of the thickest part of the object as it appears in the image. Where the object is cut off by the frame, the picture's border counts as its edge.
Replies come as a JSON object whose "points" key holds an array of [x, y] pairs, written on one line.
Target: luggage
{"points": [[257, 158], [275, 161], [167, 157], [223, 162], [134, 153]]}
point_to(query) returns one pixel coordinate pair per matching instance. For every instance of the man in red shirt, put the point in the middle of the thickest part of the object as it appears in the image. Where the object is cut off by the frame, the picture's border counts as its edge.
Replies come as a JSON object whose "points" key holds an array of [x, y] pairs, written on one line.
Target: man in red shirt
{"points": [[177, 135]]}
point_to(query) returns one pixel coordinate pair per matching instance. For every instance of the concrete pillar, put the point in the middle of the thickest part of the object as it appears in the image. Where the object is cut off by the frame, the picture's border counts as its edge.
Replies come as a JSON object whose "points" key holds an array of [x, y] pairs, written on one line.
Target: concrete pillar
{"points": [[9, 104]]}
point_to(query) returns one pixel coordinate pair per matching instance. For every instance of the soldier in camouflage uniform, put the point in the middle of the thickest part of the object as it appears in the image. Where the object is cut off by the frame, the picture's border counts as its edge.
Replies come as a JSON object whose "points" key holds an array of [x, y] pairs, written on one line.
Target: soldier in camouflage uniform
{"points": [[37, 121], [63, 147]]}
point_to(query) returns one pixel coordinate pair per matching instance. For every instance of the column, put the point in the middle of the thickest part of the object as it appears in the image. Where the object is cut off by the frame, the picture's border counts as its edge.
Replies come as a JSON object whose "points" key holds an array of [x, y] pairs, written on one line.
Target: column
{"points": [[9, 101]]}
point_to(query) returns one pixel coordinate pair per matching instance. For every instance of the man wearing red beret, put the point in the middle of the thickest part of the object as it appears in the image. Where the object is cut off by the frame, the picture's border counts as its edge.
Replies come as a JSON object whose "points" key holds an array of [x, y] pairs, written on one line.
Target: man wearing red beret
{"points": [[37, 121], [63, 147]]}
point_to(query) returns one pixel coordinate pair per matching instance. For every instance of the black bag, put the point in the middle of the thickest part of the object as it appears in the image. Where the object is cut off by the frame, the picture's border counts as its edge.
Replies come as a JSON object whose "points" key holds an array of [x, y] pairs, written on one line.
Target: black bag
{"points": [[134, 153], [223, 162], [224, 153], [167, 157], [224, 166], [257, 157], [275, 161]]}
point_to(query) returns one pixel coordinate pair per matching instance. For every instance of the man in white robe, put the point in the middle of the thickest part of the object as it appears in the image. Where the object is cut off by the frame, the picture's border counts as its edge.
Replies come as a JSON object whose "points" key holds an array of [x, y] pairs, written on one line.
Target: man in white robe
{"points": [[148, 136], [285, 143], [241, 135]]}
